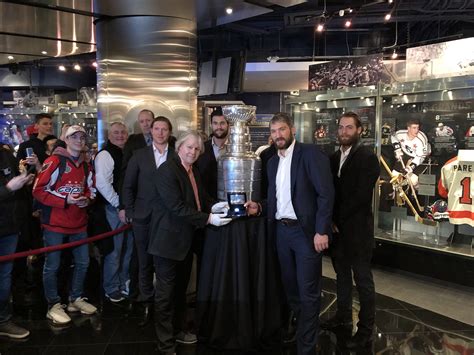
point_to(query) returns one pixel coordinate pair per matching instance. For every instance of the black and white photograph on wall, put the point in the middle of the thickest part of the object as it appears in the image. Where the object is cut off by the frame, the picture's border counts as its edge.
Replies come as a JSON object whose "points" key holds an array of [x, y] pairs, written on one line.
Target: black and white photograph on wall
{"points": [[338, 74], [440, 59], [87, 96]]}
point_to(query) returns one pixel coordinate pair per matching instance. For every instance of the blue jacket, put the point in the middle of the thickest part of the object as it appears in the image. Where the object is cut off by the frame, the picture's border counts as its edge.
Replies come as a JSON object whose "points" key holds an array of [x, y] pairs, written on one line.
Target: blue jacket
{"points": [[312, 190]]}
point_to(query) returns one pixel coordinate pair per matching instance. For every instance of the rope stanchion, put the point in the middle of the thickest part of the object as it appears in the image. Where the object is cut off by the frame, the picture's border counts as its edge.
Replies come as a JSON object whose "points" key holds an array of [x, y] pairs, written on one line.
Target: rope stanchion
{"points": [[63, 246]]}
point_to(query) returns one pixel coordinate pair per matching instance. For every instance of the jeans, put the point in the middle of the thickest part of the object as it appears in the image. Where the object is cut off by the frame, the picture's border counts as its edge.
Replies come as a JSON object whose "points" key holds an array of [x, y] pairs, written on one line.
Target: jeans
{"points": [[7, 246], [53, 260], [117, 262], [301, 268]]}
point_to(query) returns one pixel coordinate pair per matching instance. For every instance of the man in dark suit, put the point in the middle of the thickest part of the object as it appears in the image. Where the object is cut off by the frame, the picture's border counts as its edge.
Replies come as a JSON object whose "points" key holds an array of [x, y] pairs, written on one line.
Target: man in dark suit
{"points": [[299, 208], [138, 195], [213, 148], [181, 207], [355, 170], [135, 141]]}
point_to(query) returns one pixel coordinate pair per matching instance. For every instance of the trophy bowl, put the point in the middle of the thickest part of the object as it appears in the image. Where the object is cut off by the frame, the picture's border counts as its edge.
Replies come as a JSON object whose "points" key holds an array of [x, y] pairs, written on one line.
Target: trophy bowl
{"points": [[239, 113]]}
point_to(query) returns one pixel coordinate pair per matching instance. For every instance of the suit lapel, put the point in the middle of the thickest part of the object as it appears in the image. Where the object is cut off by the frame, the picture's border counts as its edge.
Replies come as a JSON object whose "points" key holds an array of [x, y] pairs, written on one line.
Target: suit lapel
{"points": [[349, 157], [294, 165], [151, 155]]}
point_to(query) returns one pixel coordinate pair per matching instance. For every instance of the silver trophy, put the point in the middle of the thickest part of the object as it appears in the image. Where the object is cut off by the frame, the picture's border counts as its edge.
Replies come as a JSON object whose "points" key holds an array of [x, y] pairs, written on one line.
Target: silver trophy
{"points": [[238, 169]]}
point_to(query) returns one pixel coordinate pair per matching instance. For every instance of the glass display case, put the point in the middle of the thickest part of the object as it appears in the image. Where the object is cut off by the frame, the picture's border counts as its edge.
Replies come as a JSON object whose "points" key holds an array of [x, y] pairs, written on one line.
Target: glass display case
{"points": [[13, 124], [85, 116], [415, 210]]}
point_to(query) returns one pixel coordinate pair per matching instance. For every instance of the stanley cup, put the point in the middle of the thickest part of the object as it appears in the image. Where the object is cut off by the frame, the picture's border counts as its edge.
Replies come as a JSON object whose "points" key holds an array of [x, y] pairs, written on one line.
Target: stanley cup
{"points": [[239, 168]]}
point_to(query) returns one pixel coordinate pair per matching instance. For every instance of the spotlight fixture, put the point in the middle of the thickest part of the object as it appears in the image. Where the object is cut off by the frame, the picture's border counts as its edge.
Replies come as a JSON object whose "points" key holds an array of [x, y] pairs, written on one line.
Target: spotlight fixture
{"points": [[388, 16], [94, 64], [320, 28], [394, 54], [44, 52], [229, 11], [390, 1], [61, 68], [10, 57], [77, 67], [348, 23], [341, 13]]}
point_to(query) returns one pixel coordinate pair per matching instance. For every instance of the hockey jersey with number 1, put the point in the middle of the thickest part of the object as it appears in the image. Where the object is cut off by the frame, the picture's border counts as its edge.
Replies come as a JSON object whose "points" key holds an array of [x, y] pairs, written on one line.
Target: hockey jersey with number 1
{"points": [[457, 185]]}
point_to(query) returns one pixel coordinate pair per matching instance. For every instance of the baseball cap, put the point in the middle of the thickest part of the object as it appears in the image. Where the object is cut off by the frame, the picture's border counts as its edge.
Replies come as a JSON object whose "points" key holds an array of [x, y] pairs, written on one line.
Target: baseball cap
{"points": [[73, 129]]}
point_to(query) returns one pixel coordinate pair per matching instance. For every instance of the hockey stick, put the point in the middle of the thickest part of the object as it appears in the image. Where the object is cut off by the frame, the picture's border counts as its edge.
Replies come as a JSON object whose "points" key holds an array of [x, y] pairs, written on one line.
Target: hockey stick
{"points": [[412, 188], [403, 195]]}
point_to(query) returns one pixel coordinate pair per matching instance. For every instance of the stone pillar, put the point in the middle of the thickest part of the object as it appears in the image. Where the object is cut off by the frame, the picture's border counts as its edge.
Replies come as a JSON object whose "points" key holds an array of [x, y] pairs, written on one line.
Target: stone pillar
{"points": [[146, 56]]}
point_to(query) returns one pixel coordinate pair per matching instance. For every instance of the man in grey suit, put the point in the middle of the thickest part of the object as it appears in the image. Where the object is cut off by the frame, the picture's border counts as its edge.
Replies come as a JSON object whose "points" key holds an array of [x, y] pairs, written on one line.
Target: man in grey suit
{"points": [[138, 197]]}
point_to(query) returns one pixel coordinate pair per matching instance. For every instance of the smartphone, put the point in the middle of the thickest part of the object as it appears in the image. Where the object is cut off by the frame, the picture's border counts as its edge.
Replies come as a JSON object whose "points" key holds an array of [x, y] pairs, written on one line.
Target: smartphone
{"points": [[29, 152]]}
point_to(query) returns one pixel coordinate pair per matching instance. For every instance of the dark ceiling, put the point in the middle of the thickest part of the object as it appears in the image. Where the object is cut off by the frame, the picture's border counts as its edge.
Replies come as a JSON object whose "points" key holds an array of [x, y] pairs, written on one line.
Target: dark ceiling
{"points": [[269, 28]]}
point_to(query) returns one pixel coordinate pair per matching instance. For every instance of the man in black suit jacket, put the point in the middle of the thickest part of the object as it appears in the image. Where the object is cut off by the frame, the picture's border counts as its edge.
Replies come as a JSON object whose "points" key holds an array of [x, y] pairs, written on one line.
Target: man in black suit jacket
{"points": [[182, 206], [138, 196], [213, 148], [138, 140], [299, 209], [355, 170]]}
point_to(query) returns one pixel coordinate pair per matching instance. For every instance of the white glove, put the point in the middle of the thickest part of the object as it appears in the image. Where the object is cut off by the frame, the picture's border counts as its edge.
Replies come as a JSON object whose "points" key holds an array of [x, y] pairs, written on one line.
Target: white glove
{"points": [[398, 154], [220, 207], [218, 219]]}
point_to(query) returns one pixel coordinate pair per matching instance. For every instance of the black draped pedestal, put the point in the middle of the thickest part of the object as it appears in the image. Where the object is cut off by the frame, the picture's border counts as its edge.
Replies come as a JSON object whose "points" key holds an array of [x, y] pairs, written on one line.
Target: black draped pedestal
{"points": [[238, 299]]}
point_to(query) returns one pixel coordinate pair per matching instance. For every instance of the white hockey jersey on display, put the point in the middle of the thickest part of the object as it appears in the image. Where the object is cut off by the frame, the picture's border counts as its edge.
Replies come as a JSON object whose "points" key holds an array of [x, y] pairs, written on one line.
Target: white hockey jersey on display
{"points": [[457, 185], [418, 148]]}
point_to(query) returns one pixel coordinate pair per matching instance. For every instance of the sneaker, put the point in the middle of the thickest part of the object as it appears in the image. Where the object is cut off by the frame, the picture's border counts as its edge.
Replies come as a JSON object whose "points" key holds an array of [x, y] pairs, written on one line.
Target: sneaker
{"points": [[57, 314], [80, 305], [186, 338], [13, 331], [115, 297]]}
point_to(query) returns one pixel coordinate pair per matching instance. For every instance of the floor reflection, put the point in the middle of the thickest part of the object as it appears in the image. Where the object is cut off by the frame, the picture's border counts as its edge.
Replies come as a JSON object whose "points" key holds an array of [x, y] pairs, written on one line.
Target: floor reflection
{"points": [[400, 329]]}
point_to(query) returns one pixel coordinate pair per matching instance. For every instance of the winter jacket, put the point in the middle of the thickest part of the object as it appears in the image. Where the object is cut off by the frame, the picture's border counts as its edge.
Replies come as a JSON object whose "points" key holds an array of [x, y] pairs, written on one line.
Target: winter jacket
{"points": [[52, 188]]}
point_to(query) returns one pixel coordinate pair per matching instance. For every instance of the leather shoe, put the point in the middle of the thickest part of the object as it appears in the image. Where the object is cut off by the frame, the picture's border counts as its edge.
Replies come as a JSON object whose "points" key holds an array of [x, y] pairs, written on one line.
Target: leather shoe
{"points": [[336, 322], [146, 315], [359, 341]]}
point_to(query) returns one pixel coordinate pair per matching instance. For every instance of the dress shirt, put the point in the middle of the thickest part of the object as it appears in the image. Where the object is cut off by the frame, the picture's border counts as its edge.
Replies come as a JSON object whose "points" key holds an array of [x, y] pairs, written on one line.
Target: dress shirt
{"points": [[160, 158], [104, 177], [283, 185], [194, 185], [217, 150], [344, 155]]}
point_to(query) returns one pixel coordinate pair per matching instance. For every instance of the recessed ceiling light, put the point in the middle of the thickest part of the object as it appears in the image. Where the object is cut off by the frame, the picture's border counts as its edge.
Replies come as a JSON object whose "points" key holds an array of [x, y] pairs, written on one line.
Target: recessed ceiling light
{"points": [[348, 23], [62, 68], [388, 17], [77, 67], [10, 57], [229, 11], [44, 52], [94, 64], [320, 27]]}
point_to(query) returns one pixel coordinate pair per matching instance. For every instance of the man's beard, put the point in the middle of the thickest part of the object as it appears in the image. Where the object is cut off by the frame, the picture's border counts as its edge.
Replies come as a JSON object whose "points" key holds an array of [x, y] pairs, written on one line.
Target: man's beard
{"points": [[348, 141], [287, 142], [220, 135]]}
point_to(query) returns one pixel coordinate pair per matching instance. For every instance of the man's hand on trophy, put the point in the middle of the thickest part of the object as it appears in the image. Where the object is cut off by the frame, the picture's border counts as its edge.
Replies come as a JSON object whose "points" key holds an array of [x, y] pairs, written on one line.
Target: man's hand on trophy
{"points": [[218, 219], [220, 207], [253, 208], [398, 153]]}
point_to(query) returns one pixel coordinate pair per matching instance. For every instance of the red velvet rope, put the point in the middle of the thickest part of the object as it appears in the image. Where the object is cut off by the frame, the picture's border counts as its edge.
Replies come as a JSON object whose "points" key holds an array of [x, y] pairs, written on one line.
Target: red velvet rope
{"points": [[63, 246]]}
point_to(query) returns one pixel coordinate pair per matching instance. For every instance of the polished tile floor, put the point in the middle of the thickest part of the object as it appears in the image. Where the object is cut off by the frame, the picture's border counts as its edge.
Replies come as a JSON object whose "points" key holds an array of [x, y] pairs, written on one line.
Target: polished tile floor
{"points": [[401, 328]]}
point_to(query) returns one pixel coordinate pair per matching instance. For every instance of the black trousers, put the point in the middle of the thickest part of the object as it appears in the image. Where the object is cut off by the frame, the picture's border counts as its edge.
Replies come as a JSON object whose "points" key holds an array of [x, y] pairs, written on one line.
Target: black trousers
{"points": [[145, 262], [172, 279], [360, 266]]}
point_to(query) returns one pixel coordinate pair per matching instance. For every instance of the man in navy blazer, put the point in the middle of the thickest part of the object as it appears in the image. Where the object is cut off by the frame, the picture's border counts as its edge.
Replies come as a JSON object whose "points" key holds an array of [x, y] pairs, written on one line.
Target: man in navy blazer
{"points": [[299, 209]]}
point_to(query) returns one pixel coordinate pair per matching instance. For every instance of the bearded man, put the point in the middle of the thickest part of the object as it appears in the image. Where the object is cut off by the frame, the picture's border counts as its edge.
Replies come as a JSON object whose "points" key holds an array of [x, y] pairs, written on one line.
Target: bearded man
{"points": [[355, 171]]}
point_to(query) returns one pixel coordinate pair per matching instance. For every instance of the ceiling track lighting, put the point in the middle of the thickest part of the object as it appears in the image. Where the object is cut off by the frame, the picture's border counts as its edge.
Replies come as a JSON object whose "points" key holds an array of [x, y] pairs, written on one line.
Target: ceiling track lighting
{"points": [[61, 68], [394, 54], [388, 16], [77, 67]]}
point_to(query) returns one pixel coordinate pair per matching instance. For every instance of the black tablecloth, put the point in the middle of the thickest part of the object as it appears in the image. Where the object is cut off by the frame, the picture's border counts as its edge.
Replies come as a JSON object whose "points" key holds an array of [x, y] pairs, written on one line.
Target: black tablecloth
{"points": [[239, 292]]}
